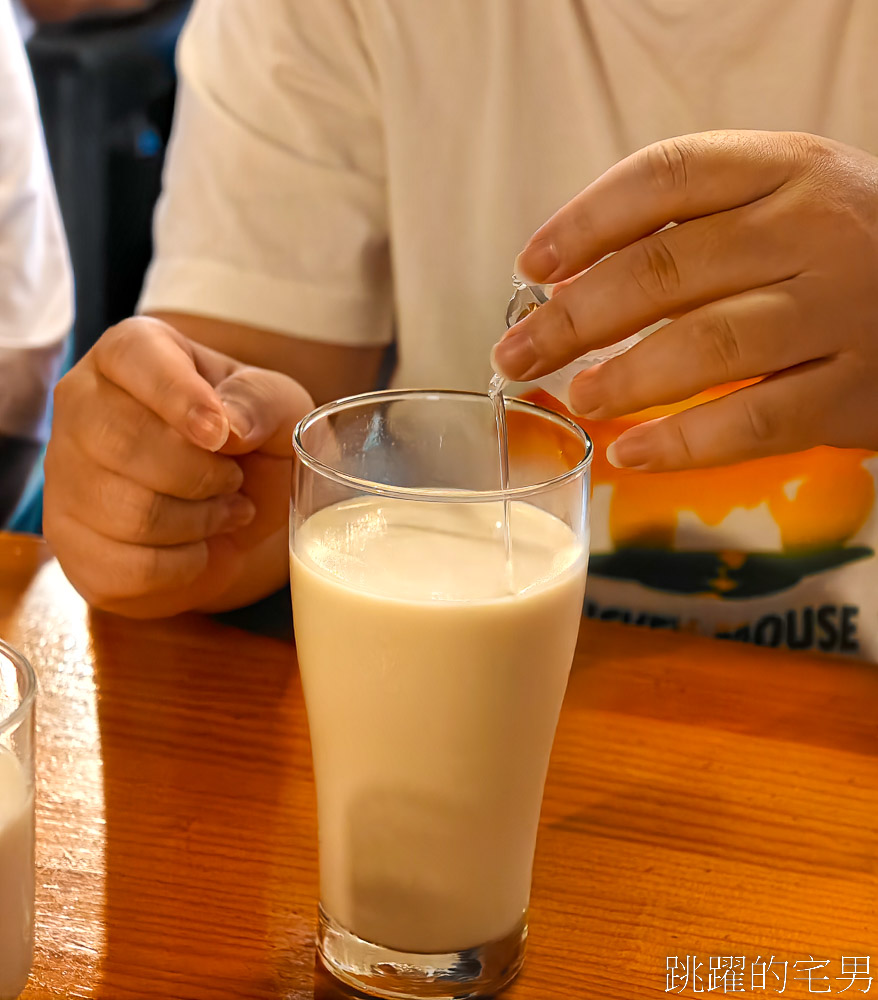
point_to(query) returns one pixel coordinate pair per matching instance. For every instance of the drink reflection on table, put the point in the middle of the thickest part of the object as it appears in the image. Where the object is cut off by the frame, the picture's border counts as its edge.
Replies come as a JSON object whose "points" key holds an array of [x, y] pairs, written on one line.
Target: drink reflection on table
{"points": [[231, 769]]}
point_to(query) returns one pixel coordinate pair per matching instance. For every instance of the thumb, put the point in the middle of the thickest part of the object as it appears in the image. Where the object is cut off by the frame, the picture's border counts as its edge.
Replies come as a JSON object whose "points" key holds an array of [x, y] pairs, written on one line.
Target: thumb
{"points": [[262, 407]]}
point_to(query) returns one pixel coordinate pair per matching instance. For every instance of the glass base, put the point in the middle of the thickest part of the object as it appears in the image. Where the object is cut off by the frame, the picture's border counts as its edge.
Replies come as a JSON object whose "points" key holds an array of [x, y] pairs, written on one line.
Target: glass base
{"points": [[383, 972]]}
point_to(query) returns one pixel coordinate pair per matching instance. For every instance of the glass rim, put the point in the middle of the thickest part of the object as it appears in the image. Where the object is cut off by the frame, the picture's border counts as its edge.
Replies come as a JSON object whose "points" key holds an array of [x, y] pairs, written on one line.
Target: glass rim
{"points": [[25, 669], [431, 494]]}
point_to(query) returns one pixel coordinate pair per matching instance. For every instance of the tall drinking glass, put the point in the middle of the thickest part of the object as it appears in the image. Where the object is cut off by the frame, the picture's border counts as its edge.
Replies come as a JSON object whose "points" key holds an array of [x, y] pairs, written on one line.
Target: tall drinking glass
{"points": [[433, 670], [18, 688]]}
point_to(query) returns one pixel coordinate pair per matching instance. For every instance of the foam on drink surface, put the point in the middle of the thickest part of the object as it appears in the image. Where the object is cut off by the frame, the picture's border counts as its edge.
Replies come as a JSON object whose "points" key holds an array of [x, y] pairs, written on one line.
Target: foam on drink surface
{"points": [[433, 693], [446, 552], [16, 877]]}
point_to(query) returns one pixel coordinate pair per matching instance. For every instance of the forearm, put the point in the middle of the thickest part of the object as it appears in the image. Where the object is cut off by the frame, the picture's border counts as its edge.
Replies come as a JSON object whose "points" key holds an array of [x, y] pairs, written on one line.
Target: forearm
{"points": [[327, 371], [17, 458]]}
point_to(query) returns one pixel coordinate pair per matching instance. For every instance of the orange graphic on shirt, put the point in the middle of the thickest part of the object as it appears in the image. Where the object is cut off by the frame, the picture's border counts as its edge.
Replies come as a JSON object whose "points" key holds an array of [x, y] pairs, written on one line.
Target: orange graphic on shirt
{"points": [[818, 500]]}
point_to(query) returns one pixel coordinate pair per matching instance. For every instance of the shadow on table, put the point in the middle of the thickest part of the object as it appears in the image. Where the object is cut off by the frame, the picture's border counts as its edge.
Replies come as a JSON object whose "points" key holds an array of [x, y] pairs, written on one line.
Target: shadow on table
{"points": [[210, 845], [272, 616]]}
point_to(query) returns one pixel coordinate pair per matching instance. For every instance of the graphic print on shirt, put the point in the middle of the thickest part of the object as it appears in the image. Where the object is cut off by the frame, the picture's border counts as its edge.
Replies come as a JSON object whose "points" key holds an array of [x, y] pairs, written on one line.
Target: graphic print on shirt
{"points": [[757, 545]]}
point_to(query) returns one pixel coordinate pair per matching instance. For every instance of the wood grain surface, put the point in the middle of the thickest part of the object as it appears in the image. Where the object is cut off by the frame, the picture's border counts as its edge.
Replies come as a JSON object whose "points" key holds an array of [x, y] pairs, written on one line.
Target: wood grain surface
{"points": [[705, 798]]}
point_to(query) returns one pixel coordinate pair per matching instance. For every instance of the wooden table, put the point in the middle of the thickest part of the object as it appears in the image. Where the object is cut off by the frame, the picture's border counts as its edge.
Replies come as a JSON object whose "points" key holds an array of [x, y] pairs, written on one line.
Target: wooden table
{"points": [[705, 798]]}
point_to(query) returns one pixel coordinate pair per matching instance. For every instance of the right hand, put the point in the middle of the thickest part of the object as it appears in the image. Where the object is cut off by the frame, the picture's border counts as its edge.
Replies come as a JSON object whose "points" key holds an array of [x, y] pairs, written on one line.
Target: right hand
{"points": [[145, 507]]}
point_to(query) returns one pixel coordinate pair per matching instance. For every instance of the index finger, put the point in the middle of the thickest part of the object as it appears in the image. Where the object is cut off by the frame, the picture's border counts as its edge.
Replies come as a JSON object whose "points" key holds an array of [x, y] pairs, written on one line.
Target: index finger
{"points": [[670, 181], [156, 365]]}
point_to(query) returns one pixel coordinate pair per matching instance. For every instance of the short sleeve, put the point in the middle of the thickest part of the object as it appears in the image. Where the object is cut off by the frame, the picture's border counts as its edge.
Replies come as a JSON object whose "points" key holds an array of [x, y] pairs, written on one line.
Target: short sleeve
{"points": [[274, 208], [36, 287]]}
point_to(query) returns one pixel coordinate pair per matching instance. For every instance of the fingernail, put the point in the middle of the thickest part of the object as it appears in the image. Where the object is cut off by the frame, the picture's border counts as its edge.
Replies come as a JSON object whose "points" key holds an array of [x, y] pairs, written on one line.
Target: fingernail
{"points": [[537, 262], [514, 355], [240, 510], [630, 451], [209, 427], [240, 421], [585, 396], [234, 478]]}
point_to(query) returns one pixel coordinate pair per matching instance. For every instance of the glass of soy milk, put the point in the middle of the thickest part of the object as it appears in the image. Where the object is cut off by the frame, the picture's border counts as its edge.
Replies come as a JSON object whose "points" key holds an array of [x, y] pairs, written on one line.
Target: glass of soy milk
{"points": [[436, 616], [18, 687]]}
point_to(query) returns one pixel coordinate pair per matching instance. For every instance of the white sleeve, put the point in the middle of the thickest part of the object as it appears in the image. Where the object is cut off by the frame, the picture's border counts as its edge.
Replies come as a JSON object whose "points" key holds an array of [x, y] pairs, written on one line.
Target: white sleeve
{"points": [[24, 21], [36, 288], [274, 210]]}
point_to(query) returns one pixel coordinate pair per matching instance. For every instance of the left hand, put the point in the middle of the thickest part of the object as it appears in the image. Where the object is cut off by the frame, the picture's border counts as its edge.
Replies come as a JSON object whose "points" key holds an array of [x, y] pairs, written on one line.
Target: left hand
{"points": [[771, 270]]}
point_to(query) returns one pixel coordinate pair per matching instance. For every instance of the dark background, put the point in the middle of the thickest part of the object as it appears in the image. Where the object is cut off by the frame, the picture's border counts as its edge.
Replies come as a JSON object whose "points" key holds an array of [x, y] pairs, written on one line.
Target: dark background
{"points": [[106, 91]]}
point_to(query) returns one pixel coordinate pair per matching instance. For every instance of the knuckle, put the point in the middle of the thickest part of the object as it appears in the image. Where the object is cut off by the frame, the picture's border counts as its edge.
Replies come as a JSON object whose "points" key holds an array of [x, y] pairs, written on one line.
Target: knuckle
{"points": [[122, 433], [113, 439], [620, 381], [113, 345], [667, 164], [564, 336], [105, 500], [721, 340], [143, 515], [106, 497], [73, 395], [145, 572], [583, 226], [202, 485], [214, 518], [146, 576], [151, 516], [163, 569], [165, 387], [136, 576], [761, 422], [681, 443], [808, 146], [655, 270]]}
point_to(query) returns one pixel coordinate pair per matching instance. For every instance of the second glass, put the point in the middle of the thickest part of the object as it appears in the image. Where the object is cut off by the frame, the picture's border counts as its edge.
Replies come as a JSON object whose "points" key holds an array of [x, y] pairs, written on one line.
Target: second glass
{"points": [[18, 687], [433, 673]]}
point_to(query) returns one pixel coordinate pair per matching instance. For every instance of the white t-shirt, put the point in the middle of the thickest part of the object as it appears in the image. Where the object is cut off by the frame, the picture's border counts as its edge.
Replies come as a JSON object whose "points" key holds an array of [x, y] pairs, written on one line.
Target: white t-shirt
{"points": [[23, 19], [36, 287], [357, 171]]}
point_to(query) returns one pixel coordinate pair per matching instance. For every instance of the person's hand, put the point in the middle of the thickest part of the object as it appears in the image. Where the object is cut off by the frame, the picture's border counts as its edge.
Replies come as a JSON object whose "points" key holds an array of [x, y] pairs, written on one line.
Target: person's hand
{"points": [[771, 270], [145, 507]]}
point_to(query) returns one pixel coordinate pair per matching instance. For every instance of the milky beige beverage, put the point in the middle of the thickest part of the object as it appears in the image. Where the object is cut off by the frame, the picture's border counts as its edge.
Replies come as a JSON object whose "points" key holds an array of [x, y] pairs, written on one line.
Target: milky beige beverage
{"points": [[16, 877], [433, 694]]}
